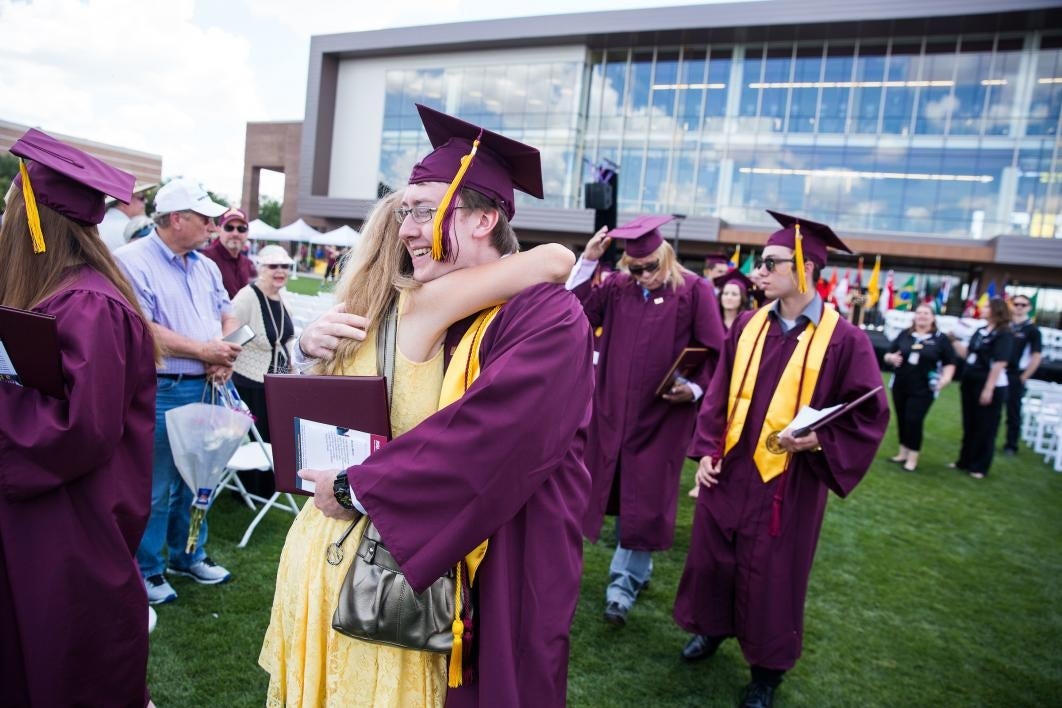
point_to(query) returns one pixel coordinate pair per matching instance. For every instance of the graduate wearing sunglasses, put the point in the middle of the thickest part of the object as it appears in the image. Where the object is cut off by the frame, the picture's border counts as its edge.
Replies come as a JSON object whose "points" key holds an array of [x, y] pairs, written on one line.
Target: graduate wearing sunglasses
{"points": [[761, 505], [229, 251], [638, 440]]}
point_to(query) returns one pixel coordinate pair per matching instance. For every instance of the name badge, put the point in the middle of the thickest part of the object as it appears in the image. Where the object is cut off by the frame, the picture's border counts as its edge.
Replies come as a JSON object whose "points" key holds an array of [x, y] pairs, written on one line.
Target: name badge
{"points": [[972, 358], [913, 358], [658, 301]]}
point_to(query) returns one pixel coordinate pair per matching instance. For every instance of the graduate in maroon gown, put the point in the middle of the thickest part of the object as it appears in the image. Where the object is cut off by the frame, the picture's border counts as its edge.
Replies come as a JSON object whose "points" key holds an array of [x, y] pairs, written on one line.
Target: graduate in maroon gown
{"points": [[638, 439], [759, 513], [75, 473], [504, 462]]}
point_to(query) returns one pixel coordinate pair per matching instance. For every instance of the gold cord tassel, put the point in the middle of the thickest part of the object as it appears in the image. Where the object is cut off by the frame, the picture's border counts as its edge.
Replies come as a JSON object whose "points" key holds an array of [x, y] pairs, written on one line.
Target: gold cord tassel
{"points": [[32, 215], [802, 279], [457, 651], [443, 215]]}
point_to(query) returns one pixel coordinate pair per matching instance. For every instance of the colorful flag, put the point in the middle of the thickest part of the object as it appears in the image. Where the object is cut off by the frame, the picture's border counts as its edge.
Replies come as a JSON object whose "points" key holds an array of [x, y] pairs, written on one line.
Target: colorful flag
{"points": [[982, 302], [873, 289], [1032, 303], [940, 302], [735, 257], [749, 265], [907, 294], [890, 291], [969, 308]]}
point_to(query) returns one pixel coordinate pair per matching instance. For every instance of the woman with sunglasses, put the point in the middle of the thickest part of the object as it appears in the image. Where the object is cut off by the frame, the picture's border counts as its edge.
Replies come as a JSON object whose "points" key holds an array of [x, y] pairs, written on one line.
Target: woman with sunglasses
{"points": [[637, 440], [259, 305], [229, 251]]}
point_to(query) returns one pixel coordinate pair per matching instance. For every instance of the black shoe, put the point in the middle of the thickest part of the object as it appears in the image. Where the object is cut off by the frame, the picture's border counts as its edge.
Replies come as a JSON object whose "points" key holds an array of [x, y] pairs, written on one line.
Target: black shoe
{"points": [[758, 695], [1009, 452], [616, 614], [699, 647]]}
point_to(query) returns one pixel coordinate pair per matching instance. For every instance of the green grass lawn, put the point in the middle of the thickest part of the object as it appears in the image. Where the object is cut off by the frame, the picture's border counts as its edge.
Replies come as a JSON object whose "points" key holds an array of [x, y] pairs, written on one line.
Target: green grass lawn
{"points": [[309, 285], [929, 589]]}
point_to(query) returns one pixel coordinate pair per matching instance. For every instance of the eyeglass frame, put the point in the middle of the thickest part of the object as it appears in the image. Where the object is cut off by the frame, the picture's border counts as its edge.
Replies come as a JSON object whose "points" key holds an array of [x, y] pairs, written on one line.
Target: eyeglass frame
{"points": [[771, 262], [230, 228], [1020, 304], [639, 268], [274, 266], [401, 214]]}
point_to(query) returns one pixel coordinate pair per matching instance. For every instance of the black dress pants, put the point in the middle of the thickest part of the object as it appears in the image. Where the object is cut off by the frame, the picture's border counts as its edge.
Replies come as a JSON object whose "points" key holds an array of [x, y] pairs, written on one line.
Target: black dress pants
{"points": [[980, 425], [911, 413], [1015, 392]]}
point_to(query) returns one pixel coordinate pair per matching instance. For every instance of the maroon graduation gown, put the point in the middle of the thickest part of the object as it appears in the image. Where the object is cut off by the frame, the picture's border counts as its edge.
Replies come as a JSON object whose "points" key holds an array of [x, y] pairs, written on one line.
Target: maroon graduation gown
{"points": [[505, 463], [75, 492], [633, 433], [739, 580]]}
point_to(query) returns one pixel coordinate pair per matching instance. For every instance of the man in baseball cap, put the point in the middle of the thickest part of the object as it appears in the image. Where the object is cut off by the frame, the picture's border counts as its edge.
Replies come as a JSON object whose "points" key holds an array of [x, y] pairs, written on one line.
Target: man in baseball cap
{"points": [[181, 292]]}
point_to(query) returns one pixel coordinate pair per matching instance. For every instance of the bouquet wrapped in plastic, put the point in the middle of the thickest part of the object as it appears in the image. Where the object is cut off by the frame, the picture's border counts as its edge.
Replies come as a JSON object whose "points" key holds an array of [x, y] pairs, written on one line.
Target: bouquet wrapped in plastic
{"points": [[203, 437]]}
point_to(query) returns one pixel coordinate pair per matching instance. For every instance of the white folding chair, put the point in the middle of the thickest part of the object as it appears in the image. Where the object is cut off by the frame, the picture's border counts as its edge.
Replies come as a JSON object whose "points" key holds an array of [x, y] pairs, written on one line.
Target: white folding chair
{"points": [[254, 455]]}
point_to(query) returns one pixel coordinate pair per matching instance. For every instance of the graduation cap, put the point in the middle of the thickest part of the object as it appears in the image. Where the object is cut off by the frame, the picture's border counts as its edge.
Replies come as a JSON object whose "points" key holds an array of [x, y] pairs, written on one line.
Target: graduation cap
{"points": [[734, 276], [65, 179], [808, 239], [642, 234], [467, 155], [714, 258]]}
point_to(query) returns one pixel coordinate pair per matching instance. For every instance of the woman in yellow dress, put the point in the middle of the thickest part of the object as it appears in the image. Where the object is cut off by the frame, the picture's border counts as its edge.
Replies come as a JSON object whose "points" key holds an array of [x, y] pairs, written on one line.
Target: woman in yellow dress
{"points": [[308, 662]]}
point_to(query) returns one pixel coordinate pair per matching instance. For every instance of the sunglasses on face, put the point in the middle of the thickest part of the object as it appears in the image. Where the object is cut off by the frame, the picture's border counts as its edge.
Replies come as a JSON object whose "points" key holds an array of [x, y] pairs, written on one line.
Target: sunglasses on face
{"points": [[770, 263], [1021, 304], [274, 266], [644, 268], [232, 227]]}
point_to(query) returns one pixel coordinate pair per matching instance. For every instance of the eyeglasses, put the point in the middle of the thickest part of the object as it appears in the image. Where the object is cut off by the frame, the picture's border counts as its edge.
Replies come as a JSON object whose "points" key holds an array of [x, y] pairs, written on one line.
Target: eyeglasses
{"points": [[274, 266], [770, 263], [1021, 304], [230, 228], [421, 214], [644, 268]]}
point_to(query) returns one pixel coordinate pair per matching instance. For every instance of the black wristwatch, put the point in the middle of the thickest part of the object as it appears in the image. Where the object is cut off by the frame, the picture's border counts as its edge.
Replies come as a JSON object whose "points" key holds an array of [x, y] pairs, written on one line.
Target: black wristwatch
{"points": [[341, 490]]}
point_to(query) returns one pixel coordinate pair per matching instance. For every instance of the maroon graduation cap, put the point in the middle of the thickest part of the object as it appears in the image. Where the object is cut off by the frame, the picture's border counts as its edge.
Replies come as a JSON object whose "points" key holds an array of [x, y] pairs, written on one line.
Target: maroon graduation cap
{"points": [[467, 155], [734, 276], [642, 235], [65, 179], [808, 239]]}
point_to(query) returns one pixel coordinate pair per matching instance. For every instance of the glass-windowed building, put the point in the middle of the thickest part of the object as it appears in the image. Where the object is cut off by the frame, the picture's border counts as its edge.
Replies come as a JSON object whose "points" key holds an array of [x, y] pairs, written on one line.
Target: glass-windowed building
{"points": [[928, 133]]}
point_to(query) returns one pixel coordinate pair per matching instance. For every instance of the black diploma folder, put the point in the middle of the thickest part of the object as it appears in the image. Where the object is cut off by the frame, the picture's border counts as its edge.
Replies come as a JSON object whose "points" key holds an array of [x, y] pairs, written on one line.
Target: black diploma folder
{"points": [[32, 343], [354, 402]]}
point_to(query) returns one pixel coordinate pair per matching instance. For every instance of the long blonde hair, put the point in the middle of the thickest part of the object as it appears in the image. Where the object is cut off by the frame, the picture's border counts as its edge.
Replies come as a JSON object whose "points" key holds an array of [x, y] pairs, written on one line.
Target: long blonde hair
{"points": [[28, 278], [378, 269], [668, 262]]}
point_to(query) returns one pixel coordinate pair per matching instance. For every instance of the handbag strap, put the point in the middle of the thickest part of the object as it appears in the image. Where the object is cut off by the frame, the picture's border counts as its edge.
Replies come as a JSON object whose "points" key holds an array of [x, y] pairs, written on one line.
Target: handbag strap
{"points": [[386, 336]]}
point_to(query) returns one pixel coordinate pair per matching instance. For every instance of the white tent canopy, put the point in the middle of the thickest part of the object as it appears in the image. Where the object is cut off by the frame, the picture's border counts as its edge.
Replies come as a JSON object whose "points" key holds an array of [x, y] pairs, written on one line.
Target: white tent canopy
{"points": [[296, 231], [343, 236], [260, 229]]}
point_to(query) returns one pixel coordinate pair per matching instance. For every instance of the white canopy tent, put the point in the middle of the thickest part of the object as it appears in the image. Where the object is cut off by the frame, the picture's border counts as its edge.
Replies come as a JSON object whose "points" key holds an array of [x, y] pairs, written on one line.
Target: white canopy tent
{"points": [[260, 229], [296, 231], [343, 236]]}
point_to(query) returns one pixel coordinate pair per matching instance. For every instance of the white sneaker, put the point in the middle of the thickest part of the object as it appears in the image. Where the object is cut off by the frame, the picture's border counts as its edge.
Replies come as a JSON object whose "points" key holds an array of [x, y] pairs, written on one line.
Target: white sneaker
{"points": [[205, 572], [153, 619], [158, 590]]}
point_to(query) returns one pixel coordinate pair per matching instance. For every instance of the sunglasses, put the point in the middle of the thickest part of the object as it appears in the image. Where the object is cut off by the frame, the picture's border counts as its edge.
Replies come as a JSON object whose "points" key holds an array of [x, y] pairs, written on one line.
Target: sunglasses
{"points": [[274, 266], [646, 268], [230, 228], [770, 263], [1021, 304]]}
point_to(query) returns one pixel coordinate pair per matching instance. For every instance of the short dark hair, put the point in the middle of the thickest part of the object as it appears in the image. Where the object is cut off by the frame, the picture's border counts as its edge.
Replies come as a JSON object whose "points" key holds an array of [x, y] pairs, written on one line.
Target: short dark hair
{"points": [[503, 238]]}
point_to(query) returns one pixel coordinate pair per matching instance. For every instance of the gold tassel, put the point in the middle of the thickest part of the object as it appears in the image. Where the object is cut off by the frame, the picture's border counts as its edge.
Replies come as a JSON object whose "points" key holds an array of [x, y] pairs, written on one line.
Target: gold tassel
{"points": [[457, 651], [802, 279], [444, 205], [32, 215]]}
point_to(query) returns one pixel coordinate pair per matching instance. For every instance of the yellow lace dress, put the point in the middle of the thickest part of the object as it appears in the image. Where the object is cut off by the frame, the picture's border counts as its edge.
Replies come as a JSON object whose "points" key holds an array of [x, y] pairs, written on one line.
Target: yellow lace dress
{"points": [[309, 663]]}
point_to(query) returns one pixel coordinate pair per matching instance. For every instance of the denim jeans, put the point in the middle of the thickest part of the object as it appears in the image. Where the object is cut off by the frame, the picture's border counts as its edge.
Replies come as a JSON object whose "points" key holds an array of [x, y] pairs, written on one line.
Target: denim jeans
{"points": [[171, 498], [628, 573]]}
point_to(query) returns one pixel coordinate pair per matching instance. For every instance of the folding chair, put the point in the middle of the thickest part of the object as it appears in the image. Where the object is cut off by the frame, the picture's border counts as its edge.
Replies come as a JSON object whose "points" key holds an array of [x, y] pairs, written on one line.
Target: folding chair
{"points": [[254, 455]]}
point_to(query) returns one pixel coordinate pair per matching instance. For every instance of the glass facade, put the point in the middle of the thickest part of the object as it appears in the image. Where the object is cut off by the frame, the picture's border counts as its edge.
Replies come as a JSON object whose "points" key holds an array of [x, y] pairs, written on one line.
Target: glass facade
{"points": [[537, 103], [942, 135]]}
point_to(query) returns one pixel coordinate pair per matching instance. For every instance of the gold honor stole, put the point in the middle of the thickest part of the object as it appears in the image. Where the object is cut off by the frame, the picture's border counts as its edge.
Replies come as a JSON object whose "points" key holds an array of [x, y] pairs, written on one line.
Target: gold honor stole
{"points": [[794, 390], [456, 381]]}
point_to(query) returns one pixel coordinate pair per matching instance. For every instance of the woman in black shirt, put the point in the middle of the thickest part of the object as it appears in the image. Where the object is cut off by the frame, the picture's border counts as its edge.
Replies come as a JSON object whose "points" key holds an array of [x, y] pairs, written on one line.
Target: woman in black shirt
{"points": [[984, 389], [925, 364]]}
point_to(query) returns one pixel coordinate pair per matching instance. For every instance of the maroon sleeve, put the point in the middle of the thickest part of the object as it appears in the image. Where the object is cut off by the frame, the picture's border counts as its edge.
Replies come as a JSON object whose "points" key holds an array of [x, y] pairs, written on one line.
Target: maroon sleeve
{"points": [[708, 436], [707, 329], [595, 300], [47, 442], [441, 489]]}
